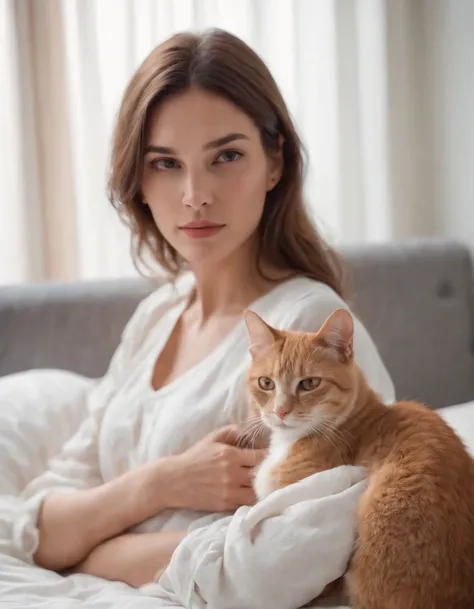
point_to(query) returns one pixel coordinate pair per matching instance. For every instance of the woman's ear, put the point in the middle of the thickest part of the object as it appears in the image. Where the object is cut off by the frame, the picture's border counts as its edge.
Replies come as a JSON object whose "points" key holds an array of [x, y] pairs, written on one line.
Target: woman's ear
{"points": [[275, 165]]}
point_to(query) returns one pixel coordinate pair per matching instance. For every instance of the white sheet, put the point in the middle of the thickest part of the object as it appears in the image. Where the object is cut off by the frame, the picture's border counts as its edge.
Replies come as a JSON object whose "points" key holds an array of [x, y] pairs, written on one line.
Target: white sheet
{"points": [[304, 541]]}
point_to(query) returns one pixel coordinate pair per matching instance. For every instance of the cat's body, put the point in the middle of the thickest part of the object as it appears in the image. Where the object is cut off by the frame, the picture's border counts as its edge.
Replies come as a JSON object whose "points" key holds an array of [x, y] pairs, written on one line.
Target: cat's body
{"points": [[415, 531]]}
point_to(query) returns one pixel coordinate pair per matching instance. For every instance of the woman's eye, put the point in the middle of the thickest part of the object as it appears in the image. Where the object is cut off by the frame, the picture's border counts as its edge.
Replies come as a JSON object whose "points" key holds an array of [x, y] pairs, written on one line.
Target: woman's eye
{"points": [[309, 384], [266, 384], [164, 164], [228, 156]]}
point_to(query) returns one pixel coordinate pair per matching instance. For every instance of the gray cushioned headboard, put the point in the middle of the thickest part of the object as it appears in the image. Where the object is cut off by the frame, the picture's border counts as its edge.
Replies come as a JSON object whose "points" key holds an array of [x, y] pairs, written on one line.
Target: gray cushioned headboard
{"points": [[75, 326], [416, 299]]}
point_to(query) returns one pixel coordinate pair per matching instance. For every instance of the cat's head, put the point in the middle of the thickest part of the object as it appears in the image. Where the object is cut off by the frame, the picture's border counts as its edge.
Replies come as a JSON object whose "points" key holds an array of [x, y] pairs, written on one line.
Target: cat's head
{"points": [[302, 382]]}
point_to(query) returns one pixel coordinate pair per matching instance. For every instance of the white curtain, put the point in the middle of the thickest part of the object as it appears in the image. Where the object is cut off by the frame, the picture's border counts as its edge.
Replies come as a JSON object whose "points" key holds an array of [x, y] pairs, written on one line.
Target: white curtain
{"points": [[356, 75]]}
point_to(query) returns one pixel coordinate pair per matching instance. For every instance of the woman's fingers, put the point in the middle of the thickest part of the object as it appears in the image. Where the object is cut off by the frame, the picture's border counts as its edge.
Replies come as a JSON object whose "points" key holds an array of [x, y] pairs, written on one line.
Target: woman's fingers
{"points": [[226, 435], [243, 476], [245, 496], [249, 457]]}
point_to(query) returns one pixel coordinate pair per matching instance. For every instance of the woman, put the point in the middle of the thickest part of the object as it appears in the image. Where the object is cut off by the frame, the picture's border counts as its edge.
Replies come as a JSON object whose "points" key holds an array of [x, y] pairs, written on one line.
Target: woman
{"points": [[207, 171]]}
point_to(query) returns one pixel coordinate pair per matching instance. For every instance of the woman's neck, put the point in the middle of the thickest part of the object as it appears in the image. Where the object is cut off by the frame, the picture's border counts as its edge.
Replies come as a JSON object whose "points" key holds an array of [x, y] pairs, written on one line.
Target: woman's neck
{"points": [[227, 288]]}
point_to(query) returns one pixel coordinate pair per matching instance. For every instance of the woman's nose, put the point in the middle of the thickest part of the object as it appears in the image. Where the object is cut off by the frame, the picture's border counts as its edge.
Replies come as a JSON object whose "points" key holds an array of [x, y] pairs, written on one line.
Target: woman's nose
{"points": [[196, 193]]}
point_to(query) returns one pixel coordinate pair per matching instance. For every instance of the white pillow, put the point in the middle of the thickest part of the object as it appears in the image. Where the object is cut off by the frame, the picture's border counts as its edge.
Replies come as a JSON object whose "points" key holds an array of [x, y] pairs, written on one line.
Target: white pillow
{"points": [[461, 418], [39, 411]]}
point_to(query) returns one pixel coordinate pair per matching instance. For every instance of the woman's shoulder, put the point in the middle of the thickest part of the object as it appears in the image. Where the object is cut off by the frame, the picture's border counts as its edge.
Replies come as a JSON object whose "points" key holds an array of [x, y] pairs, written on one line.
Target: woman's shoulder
{"points": [[299, 303], [304, 304]]}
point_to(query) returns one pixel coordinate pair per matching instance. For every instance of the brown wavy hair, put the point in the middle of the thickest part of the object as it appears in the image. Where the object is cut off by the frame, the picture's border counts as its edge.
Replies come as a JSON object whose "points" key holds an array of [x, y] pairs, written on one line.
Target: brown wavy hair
{"points": [[218, 62]]}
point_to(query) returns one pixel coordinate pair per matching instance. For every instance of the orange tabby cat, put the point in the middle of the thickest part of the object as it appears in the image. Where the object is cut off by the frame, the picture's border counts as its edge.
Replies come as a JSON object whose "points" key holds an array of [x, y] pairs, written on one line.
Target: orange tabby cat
{"points": [[415, 522]]}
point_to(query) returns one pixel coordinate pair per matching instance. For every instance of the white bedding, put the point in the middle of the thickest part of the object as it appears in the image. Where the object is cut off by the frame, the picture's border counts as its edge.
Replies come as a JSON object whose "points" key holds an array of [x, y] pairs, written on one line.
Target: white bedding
{"points": [[304, 541]]}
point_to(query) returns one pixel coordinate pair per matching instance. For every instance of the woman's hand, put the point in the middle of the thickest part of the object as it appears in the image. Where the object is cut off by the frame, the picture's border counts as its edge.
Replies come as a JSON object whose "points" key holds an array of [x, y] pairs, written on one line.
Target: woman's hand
{"points": [[215, 475]]}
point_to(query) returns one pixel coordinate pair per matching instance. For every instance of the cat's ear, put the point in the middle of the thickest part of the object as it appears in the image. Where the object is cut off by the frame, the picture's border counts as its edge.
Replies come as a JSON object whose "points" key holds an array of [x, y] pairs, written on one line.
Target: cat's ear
{"points": [[261, 335], [337, 333]]}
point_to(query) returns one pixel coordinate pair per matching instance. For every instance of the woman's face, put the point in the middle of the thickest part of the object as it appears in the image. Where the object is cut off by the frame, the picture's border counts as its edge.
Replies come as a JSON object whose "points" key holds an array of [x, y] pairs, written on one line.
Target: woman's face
{"points": [[206, 176]]}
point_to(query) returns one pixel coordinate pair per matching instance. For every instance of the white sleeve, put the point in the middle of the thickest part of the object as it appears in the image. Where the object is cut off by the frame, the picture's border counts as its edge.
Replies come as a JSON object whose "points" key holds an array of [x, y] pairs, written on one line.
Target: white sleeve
{"points": [[76, 466], [308, 315]]}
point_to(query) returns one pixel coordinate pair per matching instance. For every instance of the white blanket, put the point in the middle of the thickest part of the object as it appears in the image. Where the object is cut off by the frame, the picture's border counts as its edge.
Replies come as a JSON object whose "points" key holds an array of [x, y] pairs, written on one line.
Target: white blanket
{"points": [[280, 553], [298, 538]]}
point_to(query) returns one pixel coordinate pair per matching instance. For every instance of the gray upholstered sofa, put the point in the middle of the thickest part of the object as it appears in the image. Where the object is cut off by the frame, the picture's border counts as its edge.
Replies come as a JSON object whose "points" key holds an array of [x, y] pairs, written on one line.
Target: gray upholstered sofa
{"points": [[416, 298]]}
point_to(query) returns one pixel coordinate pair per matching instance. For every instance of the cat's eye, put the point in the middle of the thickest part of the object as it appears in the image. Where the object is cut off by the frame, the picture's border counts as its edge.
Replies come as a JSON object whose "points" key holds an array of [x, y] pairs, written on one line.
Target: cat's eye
{"points": [[309, 384], [266, 383]]}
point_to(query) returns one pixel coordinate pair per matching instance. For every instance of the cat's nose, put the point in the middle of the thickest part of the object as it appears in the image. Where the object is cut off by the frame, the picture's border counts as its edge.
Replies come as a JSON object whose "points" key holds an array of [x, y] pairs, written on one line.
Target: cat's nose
{"points": [[281, 412]]}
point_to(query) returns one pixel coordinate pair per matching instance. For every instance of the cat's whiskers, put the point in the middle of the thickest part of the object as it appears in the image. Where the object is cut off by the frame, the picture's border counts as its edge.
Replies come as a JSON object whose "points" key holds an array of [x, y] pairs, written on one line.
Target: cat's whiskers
{"points": [[253, 427], [326, 433], [342, 430], [252, 418], [254, 438], [258, 429], [346, 431], [249, 426], [330, 428], [339, 434], [313, 433]]}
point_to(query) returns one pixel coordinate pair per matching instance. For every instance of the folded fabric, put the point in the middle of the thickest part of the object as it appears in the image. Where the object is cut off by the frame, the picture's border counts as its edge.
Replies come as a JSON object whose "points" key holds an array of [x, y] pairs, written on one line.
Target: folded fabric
{"points": [[280, 553]]}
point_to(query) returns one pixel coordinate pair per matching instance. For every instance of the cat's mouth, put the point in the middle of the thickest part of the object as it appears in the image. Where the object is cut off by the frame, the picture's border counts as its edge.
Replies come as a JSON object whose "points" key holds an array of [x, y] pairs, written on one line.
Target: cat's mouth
{"points": [[292, 423], [280, 423], [283, 423]]}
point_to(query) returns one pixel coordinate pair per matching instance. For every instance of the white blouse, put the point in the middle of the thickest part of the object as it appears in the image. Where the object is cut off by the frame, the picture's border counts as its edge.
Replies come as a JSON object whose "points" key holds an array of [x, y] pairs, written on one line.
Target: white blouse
{"points": [[129, 423]]}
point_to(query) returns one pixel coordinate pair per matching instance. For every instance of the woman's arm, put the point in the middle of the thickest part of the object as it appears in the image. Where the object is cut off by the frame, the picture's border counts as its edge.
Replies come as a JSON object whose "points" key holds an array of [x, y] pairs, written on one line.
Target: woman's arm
{"points": [[212, 476], [132, 558], [72, 525], [79, 511]]}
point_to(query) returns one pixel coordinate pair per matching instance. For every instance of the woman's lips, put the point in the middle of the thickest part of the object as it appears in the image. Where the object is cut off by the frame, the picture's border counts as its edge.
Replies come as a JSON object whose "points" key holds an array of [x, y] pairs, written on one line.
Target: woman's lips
{"points": [[201, 229]]}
